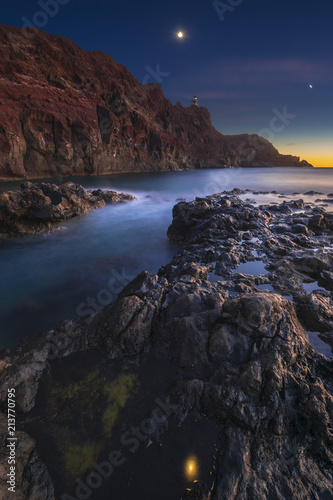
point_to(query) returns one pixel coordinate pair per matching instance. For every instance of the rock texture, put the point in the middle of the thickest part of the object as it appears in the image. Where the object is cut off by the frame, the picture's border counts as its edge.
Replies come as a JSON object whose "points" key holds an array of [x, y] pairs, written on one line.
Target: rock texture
{"points": [[36, 207], [240, 355], [65, 111], [32, 478]]}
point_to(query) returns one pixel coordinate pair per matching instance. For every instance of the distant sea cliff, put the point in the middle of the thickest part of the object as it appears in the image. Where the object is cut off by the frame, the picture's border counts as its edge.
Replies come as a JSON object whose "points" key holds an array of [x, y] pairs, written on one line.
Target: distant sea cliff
{"points": [[65, 111]]}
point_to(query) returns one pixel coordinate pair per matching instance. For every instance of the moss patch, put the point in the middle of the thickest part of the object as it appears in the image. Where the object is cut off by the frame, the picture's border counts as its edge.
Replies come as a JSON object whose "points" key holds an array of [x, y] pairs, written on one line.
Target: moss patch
{"points": [[78, 458], [84, 413], [117, 393]]}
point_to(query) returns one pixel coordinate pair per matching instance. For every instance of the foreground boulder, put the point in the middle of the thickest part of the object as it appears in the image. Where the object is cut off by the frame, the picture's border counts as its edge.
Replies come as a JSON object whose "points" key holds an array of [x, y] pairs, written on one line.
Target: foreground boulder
{"points": [[37, 206]]}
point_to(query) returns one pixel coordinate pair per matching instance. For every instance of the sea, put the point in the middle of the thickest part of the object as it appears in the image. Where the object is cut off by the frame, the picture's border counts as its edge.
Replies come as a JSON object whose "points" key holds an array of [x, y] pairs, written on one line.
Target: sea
{"points": [[83, 264]]}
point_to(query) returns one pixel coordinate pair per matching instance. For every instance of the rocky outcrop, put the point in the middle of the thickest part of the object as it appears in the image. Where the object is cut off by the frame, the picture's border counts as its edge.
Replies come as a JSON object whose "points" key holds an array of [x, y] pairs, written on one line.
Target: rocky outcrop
{"points": [[238, 354], [37, 207], [65, 111], [32, 478]]}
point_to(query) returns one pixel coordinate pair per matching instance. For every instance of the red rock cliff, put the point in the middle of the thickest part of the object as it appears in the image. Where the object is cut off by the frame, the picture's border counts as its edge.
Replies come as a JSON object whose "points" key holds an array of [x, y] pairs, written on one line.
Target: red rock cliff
{"points": [[65, 111]]}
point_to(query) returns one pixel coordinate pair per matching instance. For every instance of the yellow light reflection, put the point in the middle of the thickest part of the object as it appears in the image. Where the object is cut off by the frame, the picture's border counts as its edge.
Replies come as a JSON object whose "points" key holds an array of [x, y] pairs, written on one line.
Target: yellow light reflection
{"points": [[191, 468]]}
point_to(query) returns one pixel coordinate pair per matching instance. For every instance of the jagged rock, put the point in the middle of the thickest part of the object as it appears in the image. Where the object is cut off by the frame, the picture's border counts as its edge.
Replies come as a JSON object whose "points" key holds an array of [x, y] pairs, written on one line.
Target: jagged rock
{"points": [[37, 206], [315, 311], [326, 280], [198, 492], [321, 222], [299, 229], [32, 481], [243, 360], [65, 111], [312, 263]]}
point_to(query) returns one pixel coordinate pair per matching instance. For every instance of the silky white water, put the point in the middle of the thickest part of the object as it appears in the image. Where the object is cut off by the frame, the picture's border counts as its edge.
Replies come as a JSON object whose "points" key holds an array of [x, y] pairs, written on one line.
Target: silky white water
{"points": [[82, 266]]}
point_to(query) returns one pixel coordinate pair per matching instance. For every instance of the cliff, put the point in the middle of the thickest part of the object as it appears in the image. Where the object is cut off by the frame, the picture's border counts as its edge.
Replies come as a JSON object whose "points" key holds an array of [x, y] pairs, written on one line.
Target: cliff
{"points": [[65, 111], [39, 207]]}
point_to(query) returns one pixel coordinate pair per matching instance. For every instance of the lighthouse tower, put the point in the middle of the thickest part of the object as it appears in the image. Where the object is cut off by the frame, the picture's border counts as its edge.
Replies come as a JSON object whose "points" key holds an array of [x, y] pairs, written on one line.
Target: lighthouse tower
{"points": [[195, 101]]}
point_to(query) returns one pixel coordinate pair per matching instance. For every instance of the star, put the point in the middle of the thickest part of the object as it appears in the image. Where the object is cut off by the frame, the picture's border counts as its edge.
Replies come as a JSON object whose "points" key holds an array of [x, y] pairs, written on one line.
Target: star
{"points": [[180, 34]]}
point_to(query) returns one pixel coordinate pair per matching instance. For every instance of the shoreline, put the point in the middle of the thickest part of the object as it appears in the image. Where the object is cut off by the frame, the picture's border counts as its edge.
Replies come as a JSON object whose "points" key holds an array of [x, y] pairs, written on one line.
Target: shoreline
{"points": [[33, 178], [36, 208], [239, 354]]}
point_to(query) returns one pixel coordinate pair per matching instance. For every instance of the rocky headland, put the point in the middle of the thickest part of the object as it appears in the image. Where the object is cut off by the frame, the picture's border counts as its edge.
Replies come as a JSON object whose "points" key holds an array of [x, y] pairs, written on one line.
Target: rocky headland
{"points": [[37, 207], [230, 348], [66, 112]]}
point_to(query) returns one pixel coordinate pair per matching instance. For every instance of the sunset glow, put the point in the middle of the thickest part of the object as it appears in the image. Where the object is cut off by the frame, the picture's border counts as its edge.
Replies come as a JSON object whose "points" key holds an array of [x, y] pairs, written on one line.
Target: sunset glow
{"points": [[318, 150]]}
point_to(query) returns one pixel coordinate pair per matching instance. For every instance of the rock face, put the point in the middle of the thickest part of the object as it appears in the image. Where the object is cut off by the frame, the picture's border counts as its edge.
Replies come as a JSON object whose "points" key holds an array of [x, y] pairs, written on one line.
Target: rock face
{"points": [[240, 355], [65, 111], [28, 468], [36, 207]]}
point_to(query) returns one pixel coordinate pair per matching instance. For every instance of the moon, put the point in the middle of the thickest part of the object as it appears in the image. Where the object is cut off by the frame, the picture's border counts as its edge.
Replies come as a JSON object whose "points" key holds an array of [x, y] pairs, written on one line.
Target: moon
{"points": [[180, 34], [311, 86]]}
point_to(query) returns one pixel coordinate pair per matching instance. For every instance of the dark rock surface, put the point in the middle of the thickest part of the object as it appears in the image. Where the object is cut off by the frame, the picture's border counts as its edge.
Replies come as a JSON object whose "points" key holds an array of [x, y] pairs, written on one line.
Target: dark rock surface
{"points": [[32, 479], [240, 354], [65, 111], [36, 207]]}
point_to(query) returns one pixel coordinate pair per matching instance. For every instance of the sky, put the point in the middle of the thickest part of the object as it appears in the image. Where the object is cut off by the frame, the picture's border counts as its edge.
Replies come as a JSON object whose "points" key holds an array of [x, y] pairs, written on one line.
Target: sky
{"points": [[259, 66]]}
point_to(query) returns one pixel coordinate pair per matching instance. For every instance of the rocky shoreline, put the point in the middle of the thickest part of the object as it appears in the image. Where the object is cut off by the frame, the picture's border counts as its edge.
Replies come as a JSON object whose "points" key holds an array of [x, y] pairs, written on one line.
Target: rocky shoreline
{"points": [[238, 354], [70, 112], [37, 207]]}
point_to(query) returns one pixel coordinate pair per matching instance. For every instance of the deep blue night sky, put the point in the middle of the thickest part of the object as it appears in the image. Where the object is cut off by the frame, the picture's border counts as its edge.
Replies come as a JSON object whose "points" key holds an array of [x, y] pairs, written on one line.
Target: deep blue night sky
{"points": [[256, 57]]}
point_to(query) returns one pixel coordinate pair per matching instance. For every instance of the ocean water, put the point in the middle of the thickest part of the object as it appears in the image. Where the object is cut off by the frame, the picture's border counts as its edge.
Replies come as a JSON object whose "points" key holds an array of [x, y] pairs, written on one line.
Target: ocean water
{"points": [[85, 263]]}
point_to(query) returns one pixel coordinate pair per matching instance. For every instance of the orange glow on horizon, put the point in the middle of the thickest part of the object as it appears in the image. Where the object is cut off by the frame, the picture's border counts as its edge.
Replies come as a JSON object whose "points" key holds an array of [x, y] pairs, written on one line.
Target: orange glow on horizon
{"points": [[320, 161], [318, 153]]}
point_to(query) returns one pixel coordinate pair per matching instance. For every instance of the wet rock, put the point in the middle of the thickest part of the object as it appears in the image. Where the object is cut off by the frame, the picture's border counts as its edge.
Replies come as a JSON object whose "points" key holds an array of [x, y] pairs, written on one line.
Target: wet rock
{"points": [[326, 280], [320, 223], [282, 228], [126, 326], [240, 356], [247, 236], [315, 311], [312, 263], [26, 364], [36, 207], [300, 220], [327, 337], [184, 324], [198, 492], [225, 217], [246, 393], [299, 229], [31, 476]]}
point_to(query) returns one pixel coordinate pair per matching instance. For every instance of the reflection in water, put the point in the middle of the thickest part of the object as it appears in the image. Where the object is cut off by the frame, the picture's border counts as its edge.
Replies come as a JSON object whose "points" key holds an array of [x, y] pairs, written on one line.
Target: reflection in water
{"points": [[267, 287], [310, 287], [192, 468], [253, 267], [92, 407]]}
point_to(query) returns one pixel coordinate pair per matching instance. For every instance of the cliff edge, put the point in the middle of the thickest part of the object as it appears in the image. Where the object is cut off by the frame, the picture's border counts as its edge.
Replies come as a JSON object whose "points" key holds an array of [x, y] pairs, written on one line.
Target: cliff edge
{"points": [[65, 111]]}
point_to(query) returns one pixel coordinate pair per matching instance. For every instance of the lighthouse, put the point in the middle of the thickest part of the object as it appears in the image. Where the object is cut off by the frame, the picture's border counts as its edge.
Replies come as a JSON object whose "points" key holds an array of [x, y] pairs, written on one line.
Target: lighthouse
{"points": [[195, 101]]}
